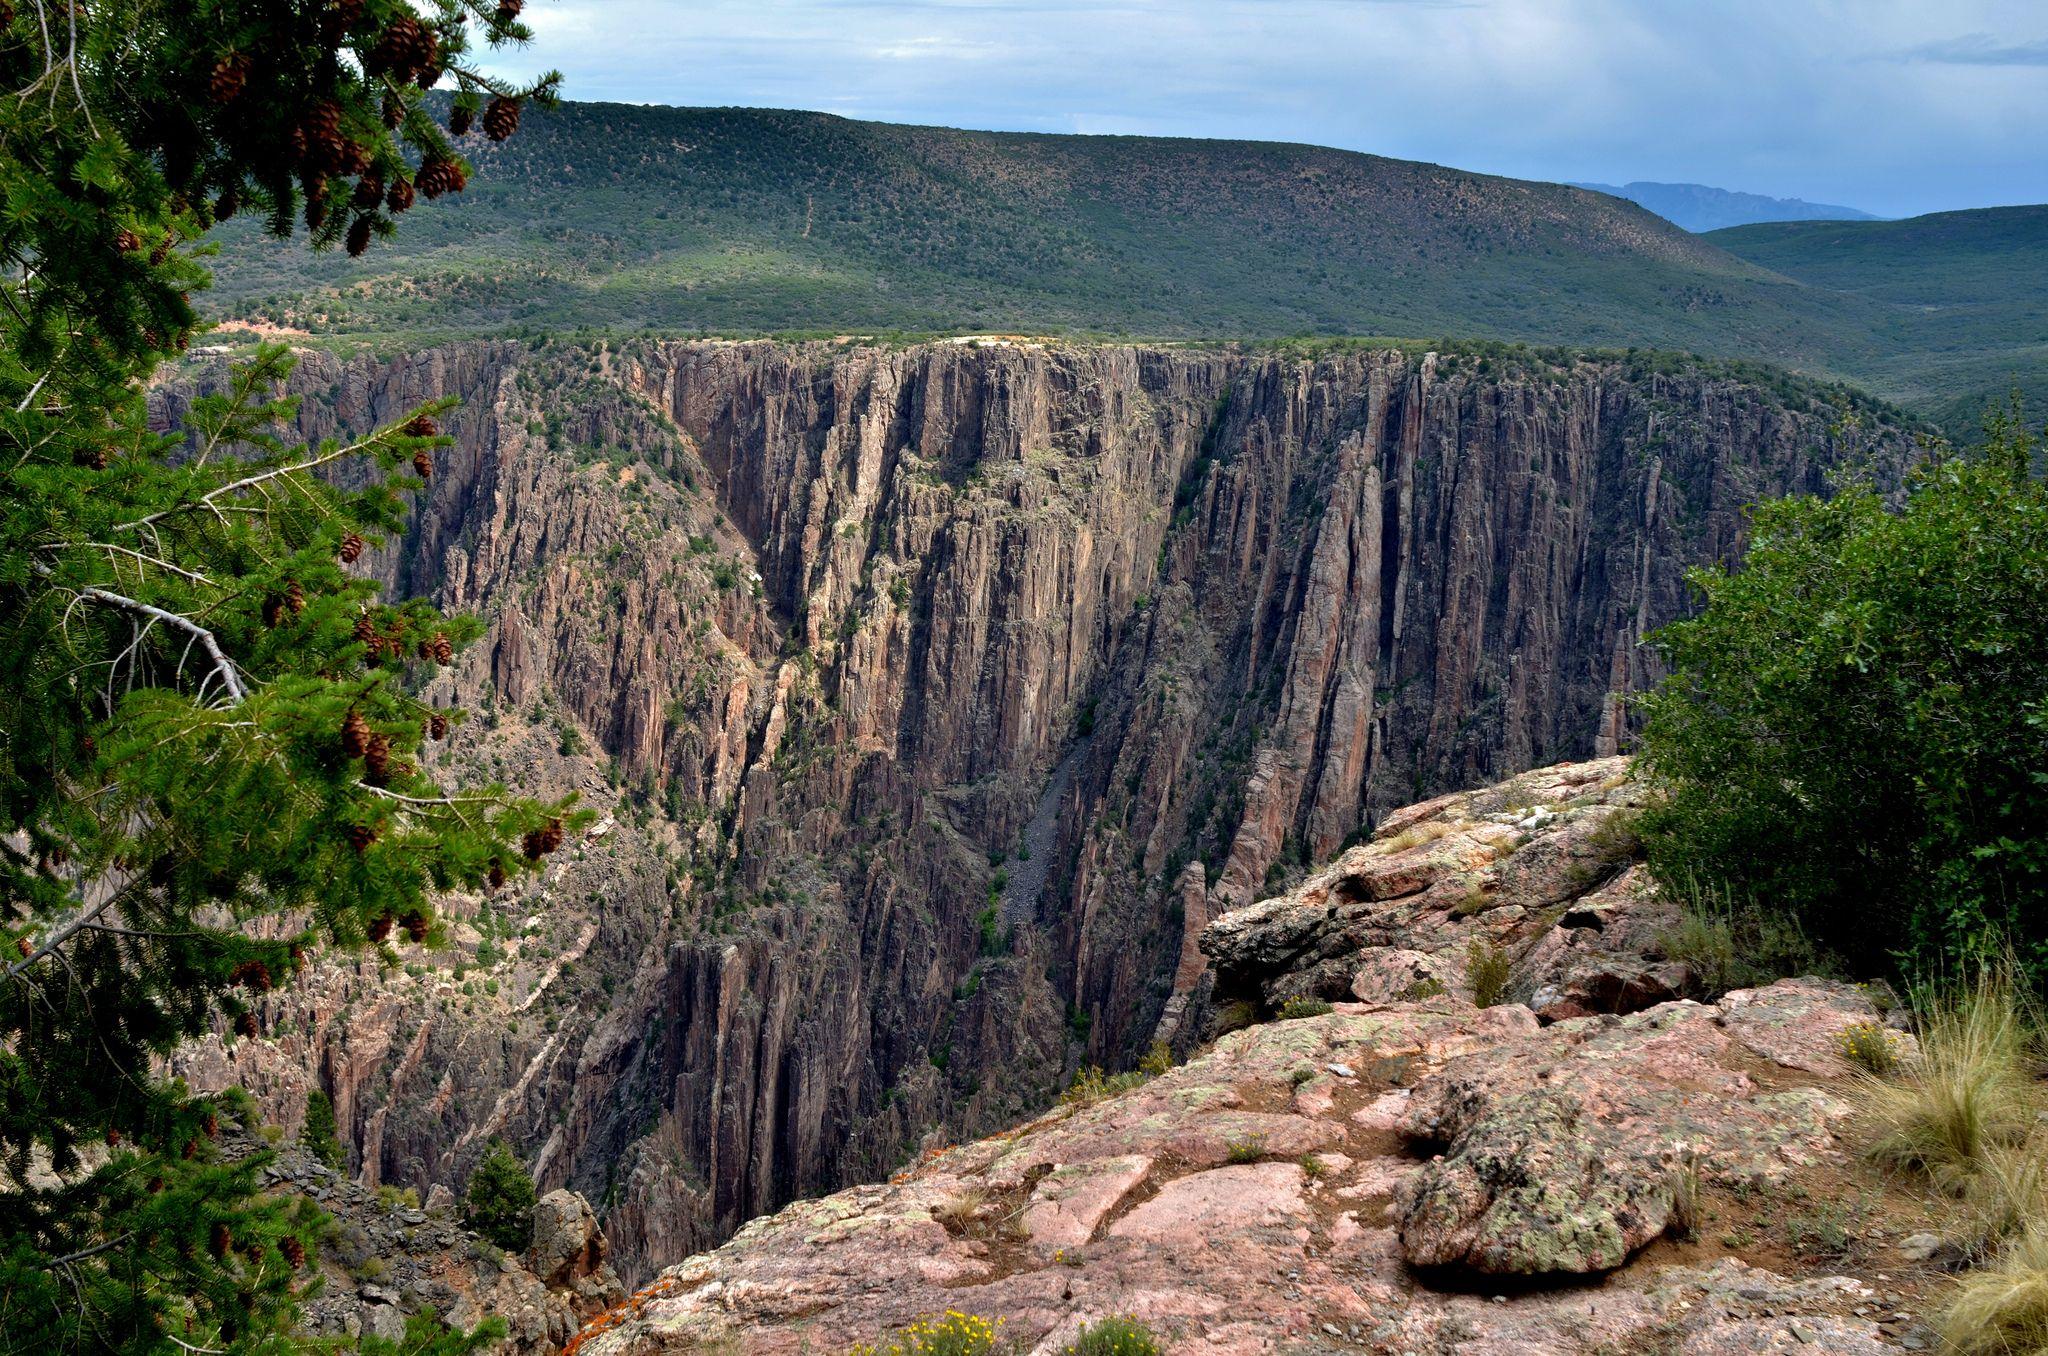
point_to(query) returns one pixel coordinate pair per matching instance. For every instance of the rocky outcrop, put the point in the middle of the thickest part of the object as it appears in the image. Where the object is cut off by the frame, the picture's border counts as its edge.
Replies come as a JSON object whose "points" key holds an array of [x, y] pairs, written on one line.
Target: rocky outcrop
{"points": [[1305, 1184], [938, 697], [1535, 880], [385, 1256]]}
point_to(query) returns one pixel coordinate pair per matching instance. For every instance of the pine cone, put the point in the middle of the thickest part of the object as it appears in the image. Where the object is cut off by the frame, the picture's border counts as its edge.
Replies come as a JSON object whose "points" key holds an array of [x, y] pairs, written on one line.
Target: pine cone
{"points": [[508, 10], [540, 842], [113, 1136], [437, 726], [316, 203], [273, 611], [377, 760], [222, 1242], [458, 121], [94, 458], [422, 426], [443, 649], [496, 876], [399, 199], [230, 74], [340, 17], [360, 836], [211, 1125], [246, 1025], [404, 49], [24, 946], [366, 630], [436, 177], [358, 237], [423, 463], [394, 110], [226, 205], [252, 974], [127, 241], [293, 1250], [322, 130], [369, 192], [351, 552], [162, 250], [415, 925], [294, 597], [501, 118], [380, 927]]}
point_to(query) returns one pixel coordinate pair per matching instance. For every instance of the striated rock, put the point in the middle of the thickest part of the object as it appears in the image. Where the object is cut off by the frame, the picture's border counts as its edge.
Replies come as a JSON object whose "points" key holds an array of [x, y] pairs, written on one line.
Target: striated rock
{"points": [[1276, 1194], [838, 633]]}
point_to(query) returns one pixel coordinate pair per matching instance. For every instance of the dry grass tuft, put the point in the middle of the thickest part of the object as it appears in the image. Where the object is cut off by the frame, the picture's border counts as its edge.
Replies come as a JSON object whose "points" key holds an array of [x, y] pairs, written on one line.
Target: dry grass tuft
{"points": [[958, 1211], [1415, 835], [1970, 1092], [2003, 1309]]}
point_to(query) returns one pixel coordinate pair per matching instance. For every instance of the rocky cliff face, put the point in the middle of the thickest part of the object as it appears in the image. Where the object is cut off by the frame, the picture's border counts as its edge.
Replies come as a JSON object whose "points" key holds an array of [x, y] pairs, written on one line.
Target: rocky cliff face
{"points": [[938, 697], [1427, 1164]]}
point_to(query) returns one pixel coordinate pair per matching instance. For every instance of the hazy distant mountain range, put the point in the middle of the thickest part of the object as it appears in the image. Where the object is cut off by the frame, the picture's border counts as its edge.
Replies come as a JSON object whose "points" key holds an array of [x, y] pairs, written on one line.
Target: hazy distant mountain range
{"points": [[1697, 207]]}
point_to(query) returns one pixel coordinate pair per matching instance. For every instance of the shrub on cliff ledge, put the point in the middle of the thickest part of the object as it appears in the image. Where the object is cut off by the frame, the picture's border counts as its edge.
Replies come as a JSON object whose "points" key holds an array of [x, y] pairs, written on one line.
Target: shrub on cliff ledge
{"points": [[499, 1202], [1856, 725]]}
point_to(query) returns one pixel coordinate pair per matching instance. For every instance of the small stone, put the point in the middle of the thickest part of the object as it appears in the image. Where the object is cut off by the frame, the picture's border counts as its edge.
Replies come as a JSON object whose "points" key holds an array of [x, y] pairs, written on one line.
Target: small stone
{"points": [[1343, 1070], [1919, 1247]]}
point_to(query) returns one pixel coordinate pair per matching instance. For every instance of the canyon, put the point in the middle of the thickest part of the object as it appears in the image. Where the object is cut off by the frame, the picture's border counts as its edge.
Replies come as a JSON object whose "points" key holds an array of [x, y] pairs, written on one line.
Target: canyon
{"points": [[933, 699]]}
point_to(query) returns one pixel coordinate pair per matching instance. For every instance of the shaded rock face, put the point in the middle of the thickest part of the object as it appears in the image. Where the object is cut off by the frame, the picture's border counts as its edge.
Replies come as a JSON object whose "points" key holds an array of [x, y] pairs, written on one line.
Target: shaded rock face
{"points": [[1303, 1185], [938, 697]]}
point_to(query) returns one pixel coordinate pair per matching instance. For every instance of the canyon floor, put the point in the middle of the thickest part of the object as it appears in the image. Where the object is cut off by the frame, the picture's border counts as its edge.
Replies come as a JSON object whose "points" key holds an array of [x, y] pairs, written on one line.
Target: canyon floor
{"points": [[1581, 1161]]}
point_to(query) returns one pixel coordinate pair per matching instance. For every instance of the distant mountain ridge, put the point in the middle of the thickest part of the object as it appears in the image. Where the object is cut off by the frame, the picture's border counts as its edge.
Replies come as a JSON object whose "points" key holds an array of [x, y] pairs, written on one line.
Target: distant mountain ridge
{"points": [[1700, 207], [627, 219]]}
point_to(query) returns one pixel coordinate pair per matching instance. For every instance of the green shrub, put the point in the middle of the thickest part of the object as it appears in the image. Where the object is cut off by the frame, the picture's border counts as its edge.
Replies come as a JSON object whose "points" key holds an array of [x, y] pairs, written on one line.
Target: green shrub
{"points": [[1114, 1337], [500, 1200], [1091, 1085], [318, 1133], [1870, 1046], [1301, 1005], [1855, 730]]}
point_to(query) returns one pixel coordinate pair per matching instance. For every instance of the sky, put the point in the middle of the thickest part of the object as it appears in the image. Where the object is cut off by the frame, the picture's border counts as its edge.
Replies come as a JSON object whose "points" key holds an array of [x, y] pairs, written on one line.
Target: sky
{"points": [[1893, 106]]}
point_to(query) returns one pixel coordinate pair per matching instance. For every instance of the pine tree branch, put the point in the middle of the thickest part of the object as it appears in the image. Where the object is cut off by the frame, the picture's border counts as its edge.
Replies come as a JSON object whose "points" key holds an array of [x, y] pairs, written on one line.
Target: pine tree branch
{"points": [[83, 1253], [222, 665], [143, 556], [253, 481]]}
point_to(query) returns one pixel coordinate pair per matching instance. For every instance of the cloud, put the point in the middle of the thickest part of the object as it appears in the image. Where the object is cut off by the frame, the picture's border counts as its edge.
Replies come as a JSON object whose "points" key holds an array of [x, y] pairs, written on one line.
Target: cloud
{"points": [[1979, 49]]}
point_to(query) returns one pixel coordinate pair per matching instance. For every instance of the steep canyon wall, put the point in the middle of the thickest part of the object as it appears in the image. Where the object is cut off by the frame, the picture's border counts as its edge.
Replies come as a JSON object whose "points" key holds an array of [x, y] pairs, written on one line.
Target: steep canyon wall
{"points": [[936, 697]]}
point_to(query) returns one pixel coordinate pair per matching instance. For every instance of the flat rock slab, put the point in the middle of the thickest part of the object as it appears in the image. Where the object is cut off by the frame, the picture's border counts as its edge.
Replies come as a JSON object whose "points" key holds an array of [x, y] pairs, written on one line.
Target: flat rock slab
{"points": [[1562, 1151], [1477, 1140]]}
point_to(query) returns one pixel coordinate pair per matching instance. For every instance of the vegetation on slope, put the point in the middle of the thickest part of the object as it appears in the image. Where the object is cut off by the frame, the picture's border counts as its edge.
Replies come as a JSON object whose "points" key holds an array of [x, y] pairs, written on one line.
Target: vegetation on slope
{"points": [[1965, 298], [1855, 732], [736, 221]]}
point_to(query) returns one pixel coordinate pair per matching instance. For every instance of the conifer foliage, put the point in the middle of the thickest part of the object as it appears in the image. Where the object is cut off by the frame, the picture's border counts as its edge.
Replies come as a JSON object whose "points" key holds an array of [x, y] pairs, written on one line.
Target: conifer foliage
{"points": [[211, 750], [500, 1199]]}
